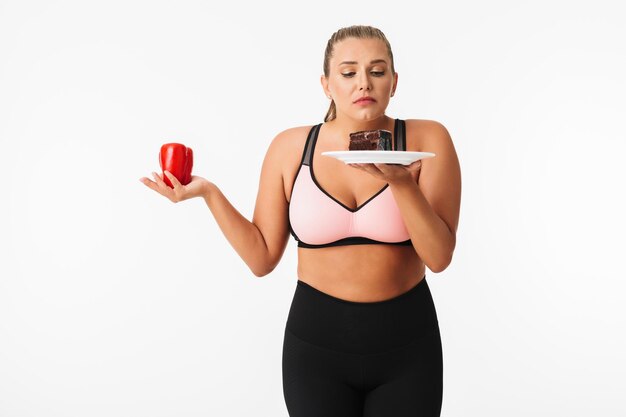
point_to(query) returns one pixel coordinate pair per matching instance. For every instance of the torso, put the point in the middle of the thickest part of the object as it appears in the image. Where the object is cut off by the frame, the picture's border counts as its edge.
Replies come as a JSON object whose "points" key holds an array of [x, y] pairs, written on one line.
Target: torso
{"points": [[361, 273]]}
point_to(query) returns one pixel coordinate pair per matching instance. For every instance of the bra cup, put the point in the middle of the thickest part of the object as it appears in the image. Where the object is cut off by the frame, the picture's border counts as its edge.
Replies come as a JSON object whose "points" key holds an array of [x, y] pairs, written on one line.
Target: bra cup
{"points": [[381, 220], [314, 217]]}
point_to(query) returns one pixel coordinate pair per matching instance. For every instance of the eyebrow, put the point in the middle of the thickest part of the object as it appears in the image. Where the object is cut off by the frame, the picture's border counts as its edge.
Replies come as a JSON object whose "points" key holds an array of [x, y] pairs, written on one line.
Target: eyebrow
{"points": [[375, 61]]}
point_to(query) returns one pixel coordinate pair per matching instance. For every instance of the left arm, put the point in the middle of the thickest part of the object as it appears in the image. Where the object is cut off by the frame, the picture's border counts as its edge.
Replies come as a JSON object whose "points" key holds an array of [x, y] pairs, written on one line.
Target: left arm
{"points": [[429, 204]]}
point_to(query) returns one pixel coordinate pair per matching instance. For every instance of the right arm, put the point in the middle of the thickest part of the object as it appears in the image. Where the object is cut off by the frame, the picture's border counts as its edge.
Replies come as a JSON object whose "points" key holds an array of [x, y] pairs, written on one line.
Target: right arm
{"points": [[262, 241]]}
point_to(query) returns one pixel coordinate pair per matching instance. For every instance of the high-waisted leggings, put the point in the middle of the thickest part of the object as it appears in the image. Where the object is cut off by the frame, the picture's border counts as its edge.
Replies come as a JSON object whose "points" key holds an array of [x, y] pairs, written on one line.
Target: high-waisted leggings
{"points": [[362, 359]]}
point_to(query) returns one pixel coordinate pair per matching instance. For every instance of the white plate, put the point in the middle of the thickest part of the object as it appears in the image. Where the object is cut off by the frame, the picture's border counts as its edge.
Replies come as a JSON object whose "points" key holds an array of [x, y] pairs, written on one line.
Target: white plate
{"points": [[378, 157]]}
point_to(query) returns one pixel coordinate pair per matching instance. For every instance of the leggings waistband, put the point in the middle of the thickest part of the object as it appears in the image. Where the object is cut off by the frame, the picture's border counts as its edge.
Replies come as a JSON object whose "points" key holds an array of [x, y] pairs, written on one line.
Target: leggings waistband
{"points": [[361, 327]]}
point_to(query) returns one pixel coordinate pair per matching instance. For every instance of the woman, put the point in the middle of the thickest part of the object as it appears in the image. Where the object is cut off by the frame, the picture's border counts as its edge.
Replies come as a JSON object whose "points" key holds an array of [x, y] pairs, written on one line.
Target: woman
{"points": [[362, 336]]}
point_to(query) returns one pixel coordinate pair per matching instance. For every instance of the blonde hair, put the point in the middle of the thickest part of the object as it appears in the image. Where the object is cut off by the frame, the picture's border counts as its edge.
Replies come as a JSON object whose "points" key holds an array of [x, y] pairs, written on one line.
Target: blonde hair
{"points": [[359, 32]]}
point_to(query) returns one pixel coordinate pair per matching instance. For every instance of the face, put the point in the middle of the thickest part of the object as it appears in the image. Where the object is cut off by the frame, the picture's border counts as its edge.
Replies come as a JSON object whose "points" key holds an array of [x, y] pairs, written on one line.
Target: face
{"points": [[360, 68]]}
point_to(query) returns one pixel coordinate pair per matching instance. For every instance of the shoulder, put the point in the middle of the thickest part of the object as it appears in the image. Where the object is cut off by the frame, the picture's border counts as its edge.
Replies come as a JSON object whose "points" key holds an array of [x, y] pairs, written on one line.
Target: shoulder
{"points": [[290, 139], [287, 146], [424, 135]]}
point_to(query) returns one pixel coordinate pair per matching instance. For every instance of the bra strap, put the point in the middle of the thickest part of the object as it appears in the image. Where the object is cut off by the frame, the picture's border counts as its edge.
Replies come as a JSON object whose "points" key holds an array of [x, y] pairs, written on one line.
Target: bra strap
{"points": [[399, 135], [308, 148]]}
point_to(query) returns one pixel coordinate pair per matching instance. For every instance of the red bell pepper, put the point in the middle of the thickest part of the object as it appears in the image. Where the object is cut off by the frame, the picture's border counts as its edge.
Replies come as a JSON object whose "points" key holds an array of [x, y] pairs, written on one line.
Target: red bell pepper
{"points": [[177, 159]]}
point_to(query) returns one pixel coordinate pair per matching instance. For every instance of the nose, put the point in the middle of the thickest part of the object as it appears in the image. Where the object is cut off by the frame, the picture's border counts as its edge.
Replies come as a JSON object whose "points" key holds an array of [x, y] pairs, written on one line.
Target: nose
{"points": [[364, 82]]}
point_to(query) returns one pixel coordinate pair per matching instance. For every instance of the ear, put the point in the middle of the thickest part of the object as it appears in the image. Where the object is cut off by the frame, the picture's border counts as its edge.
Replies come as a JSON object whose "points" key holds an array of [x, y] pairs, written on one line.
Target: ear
{"points": [[395, 83], [324, 82]]}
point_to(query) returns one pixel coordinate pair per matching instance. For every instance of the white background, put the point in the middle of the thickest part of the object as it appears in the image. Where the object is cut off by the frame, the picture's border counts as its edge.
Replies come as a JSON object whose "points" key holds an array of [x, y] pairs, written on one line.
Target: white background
{"points": [[116, 302]]}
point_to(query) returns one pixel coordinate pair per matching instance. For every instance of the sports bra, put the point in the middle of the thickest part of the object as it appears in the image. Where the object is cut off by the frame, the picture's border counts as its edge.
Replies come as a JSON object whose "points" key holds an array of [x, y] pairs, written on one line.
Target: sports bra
{"points": [[318, 220]]}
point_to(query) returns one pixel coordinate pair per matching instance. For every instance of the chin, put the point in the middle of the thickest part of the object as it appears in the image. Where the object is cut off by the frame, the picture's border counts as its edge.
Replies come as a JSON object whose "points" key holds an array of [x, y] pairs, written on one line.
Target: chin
{"points": [[368, 116]]}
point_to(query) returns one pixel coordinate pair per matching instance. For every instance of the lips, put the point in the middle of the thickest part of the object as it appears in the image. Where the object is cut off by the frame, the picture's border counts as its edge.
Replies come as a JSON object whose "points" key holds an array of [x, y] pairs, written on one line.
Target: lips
{"points": [[366, 99]]}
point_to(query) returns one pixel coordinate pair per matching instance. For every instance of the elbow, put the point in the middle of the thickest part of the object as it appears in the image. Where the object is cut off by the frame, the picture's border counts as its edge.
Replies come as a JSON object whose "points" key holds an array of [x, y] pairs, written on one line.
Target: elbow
{"points": [[258, 273], [444, 259], [437, 268], [440, 265], [261, 272], [264, 269], [439, 257], [262, 265]]}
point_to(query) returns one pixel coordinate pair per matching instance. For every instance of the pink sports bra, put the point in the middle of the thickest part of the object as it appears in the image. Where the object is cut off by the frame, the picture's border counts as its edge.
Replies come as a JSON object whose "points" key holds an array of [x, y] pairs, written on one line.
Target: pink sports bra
{"points": [[318, 220]]}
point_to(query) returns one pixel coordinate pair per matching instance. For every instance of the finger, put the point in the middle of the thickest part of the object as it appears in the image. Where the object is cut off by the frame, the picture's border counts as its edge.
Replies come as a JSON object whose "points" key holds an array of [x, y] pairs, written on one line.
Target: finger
{"points": [[148, 183], [372, 169], [159, 180], [164, 189], [377, 167], [161, 188], [413, 166], [384, 168], [173, 180]]}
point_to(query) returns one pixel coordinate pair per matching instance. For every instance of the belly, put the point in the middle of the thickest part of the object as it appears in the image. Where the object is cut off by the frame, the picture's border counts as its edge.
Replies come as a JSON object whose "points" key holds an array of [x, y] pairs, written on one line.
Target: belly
{"points": [[361, 273]]}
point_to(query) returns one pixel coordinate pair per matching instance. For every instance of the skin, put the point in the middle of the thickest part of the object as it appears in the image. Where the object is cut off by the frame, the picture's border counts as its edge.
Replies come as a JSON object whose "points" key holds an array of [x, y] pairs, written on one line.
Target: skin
{"points": [[427, 192]]}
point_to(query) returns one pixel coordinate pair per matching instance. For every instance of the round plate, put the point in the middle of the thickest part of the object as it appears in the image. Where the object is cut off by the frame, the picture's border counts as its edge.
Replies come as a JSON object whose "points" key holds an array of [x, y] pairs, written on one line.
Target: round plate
{"points": [[379, 157]]}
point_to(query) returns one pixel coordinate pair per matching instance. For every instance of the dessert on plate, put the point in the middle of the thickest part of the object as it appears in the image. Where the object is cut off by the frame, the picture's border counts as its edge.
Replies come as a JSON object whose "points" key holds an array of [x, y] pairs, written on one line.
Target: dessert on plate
{"points": [[370, 140]]}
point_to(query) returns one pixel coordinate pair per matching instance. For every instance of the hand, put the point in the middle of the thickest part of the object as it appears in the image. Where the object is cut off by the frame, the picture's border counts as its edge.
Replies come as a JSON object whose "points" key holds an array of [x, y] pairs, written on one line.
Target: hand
{"points": [[196, 188], [392, 173]]}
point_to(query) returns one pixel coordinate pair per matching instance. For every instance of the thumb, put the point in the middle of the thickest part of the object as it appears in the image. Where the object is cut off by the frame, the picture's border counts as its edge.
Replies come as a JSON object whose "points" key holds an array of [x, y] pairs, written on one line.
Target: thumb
{"points": [[417, 164]]}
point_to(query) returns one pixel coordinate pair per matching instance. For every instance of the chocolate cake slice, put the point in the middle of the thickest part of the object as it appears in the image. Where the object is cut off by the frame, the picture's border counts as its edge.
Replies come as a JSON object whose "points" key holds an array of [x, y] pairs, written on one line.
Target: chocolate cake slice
{"points": [[370, 140]]}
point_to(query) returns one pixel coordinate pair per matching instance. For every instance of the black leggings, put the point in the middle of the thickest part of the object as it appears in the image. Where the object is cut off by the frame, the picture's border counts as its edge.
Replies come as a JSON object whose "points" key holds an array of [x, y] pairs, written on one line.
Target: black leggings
{"points": [[376, 359]]}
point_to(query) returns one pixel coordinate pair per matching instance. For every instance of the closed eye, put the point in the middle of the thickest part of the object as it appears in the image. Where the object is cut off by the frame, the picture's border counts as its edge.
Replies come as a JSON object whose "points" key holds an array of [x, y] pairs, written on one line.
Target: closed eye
{"points": [[374, 73]]}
